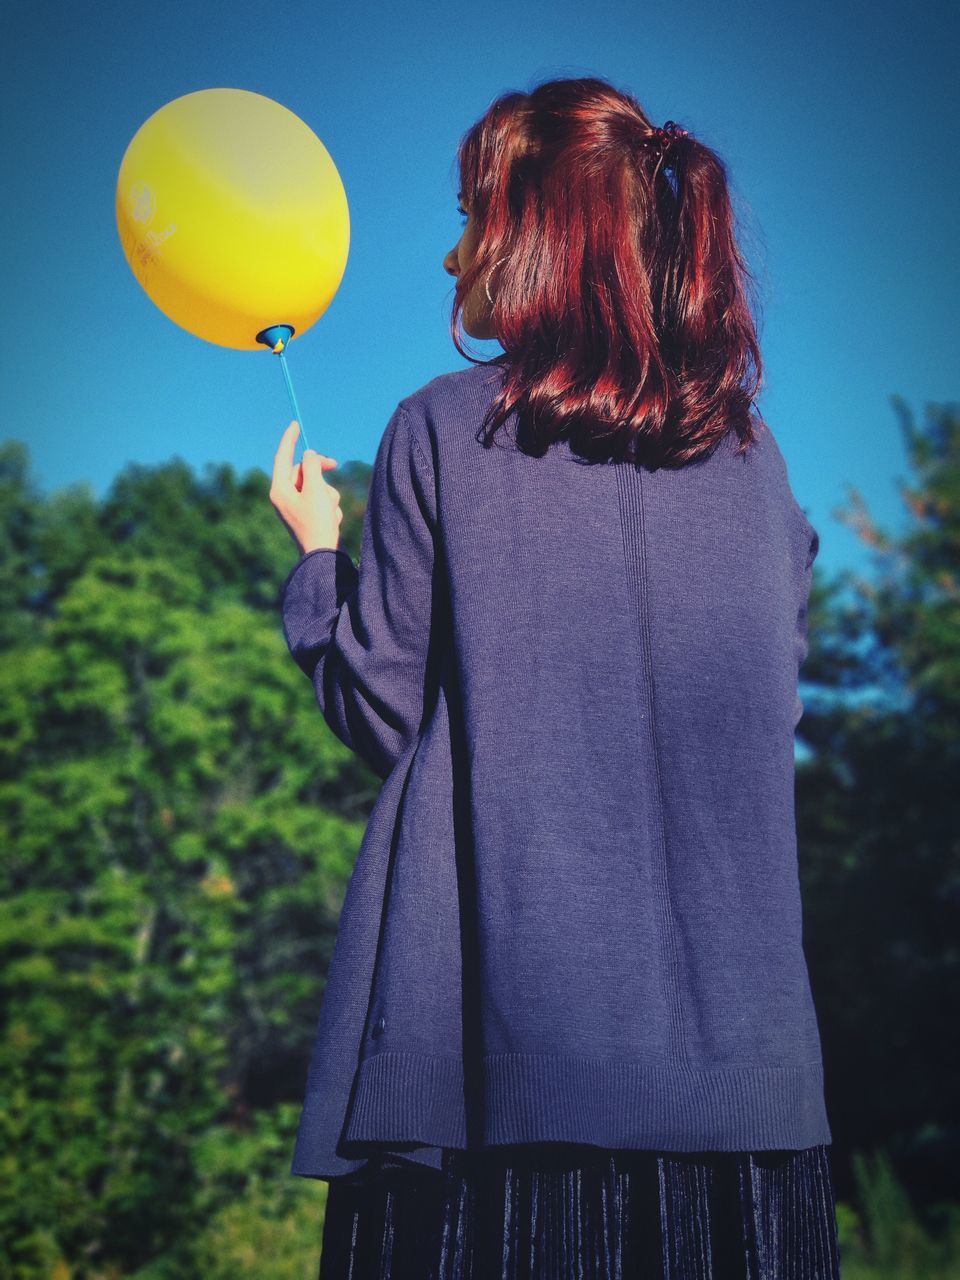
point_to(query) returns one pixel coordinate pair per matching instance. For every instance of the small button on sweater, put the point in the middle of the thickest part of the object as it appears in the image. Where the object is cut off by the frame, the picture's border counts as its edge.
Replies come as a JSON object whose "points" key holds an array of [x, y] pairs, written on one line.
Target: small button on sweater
{"points": [[575, 912]]}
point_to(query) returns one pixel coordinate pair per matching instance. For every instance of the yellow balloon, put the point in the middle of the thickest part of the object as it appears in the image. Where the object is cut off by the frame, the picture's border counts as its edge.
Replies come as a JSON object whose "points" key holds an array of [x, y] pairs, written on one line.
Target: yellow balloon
{"points": [[232, 216]]}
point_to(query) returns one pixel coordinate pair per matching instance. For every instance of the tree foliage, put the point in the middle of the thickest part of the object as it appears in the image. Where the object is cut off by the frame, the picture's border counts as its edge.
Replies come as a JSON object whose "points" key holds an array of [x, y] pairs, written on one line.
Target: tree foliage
{"points": [[878, 821], [178, 826]]}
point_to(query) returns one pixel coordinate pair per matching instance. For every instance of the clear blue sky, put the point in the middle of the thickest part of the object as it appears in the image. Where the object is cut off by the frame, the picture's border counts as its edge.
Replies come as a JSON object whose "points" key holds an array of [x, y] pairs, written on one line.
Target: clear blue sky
{"points": [[839, 124]]}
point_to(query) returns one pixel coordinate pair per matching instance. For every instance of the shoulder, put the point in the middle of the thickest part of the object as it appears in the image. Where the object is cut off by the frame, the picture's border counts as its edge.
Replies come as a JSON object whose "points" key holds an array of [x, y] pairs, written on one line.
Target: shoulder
{"points": [[764, 454], [447, 397], [770, 455], [410, 444]]}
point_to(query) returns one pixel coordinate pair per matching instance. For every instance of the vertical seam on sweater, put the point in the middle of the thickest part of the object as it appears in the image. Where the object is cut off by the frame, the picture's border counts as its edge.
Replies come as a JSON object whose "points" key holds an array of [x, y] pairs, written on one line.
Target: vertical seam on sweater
{"points": [[418, 448], [635, 555]]}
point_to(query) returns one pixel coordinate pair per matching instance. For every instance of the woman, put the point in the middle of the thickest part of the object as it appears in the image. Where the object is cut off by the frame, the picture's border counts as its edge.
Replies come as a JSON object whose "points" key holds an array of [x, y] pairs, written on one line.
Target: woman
{"points": [[567, 1027]]}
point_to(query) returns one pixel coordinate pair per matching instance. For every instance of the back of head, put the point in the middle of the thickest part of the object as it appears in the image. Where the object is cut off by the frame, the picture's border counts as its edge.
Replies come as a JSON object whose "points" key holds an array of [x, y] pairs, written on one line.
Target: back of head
{"points": [[621, 292]]}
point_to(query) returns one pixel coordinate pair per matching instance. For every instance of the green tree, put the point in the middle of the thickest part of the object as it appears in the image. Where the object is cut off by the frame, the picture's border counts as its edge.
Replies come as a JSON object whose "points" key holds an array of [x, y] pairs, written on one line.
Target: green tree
{"points": [[878, 822], [179, 827]]}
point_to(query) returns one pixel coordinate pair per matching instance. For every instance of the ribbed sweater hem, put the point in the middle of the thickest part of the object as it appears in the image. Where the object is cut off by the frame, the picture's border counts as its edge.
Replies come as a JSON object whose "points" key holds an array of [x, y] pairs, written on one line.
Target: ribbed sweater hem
{"points": [[407, 1098]]}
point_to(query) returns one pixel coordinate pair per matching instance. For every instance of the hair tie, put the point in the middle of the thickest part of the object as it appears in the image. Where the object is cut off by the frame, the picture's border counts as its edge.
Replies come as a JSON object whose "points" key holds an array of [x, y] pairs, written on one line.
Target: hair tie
{"points": [[666, 135]]}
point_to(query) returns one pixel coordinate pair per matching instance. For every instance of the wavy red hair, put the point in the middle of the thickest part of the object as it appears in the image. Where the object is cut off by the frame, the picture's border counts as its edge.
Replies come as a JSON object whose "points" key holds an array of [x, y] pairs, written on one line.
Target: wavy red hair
{"points": [[621, 292]]}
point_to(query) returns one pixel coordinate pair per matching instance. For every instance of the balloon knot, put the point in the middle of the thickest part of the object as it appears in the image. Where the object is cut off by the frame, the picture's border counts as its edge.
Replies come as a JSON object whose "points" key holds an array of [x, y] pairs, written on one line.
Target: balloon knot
{"points": [[279, 347]]}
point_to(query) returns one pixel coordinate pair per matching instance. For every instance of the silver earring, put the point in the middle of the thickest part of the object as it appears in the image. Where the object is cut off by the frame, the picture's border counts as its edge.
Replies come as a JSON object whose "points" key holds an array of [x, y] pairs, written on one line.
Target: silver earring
{"points": [[486, 280]]}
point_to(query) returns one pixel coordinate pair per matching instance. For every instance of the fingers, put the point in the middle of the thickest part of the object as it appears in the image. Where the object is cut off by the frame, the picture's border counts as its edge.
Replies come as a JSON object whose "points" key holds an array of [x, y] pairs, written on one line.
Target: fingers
{"points": [[283, 459], [296, 471], [313, 465], [326, 462], [287, 475]]}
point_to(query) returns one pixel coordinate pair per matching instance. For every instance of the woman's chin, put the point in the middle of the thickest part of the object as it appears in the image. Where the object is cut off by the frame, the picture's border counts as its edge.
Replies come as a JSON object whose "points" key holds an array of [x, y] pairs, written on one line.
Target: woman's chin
{"points": [[484, 332]]}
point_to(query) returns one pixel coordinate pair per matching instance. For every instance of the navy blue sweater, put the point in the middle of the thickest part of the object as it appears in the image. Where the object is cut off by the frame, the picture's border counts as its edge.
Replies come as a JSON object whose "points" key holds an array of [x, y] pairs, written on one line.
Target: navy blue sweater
{"points": [[575, 913]]}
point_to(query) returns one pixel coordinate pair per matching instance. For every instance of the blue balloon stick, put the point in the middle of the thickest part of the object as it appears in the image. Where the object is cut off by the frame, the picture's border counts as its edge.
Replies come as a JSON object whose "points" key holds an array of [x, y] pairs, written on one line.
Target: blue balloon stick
{"points": [[276, 338], [293, 398]]}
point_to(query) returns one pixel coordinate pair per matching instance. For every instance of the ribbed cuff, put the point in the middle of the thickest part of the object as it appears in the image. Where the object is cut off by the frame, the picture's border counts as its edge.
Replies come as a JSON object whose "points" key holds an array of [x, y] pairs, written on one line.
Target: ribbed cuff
{"points": [[329, 567], [605, 1102]]}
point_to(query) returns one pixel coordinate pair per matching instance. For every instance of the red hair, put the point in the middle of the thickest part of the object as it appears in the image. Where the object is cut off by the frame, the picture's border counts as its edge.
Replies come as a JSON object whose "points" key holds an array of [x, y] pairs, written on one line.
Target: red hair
{"points": [[620, 296]]}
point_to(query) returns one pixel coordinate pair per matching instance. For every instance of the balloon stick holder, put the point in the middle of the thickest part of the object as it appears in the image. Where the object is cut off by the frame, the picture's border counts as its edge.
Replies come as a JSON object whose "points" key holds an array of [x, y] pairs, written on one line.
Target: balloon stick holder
{"points": [[276, 338]]}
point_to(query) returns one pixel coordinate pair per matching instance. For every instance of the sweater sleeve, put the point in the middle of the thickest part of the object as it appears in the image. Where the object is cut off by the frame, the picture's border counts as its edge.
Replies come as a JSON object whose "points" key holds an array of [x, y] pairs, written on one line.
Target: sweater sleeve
{"points": [[361, 632], [802, 640]]}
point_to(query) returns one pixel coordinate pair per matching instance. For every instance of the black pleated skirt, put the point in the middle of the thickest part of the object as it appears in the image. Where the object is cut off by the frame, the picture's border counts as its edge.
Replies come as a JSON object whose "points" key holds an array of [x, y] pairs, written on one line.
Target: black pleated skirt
{"points": [[555, 1211]]}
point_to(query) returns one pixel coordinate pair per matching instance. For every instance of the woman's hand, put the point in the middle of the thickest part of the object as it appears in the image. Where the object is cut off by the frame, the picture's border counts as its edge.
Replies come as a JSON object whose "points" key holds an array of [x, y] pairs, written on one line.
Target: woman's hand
{"points": [[307, 505]]}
